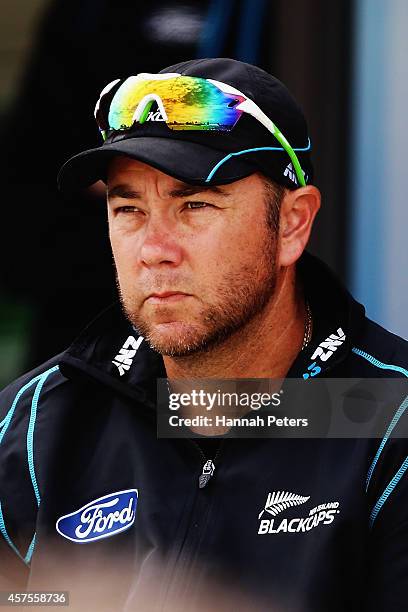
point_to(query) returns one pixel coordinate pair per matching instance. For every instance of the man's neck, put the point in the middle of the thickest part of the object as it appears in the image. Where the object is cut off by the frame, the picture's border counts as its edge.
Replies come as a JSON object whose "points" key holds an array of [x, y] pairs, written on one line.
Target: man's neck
{"points": [[265, 348]]}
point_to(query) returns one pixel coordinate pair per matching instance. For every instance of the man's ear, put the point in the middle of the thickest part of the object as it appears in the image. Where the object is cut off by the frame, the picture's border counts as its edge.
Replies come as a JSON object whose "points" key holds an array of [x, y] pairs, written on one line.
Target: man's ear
{"points": [[297, 213]]}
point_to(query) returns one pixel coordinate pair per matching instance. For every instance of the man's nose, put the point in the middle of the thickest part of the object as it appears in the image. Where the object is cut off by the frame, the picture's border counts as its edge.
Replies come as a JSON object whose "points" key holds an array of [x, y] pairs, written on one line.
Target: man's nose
{"points": [[160, 244]]}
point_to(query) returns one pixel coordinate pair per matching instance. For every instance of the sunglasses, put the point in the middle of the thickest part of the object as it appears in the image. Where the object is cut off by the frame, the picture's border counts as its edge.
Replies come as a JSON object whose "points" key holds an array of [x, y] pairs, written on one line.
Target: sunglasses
{"points": [[185, 103]]}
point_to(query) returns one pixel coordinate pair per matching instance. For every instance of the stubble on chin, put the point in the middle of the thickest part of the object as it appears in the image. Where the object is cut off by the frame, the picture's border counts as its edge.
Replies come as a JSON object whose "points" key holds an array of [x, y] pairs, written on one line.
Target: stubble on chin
{"points": [[238, 299]]}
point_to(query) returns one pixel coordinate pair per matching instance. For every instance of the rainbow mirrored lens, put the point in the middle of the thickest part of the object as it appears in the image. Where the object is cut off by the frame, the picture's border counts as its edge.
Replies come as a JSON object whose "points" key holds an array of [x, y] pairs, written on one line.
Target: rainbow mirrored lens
{"points": [[189, 103]]}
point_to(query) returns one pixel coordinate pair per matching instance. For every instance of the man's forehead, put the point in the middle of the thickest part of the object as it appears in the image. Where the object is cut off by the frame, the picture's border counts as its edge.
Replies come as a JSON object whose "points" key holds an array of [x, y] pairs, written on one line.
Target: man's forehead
{"points": [[126, 174]]}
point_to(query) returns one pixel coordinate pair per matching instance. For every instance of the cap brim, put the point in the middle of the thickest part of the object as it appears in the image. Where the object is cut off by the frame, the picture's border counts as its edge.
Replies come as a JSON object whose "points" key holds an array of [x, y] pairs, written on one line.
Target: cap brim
{"points": [[186, 161]]}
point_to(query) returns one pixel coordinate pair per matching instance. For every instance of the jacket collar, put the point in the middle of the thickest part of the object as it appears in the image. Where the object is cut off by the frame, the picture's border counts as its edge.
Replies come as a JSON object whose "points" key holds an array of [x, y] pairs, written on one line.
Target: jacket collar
{"points": [[337, 321], [112, 353]]}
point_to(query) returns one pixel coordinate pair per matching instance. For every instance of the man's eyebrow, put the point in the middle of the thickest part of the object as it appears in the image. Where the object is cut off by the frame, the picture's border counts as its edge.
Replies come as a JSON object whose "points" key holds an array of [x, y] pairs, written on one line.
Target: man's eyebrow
{"points": [[123, 191], [185, 190], [189, 190]]}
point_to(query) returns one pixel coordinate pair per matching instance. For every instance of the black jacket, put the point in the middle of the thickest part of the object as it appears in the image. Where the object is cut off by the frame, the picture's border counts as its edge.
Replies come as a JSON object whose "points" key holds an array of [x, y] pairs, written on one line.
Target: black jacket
{"points": [[82, 428]]}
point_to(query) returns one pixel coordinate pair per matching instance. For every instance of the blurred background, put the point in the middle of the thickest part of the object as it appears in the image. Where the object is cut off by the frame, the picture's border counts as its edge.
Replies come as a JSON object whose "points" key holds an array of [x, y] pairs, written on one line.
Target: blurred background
{"points": [[345, 62]]}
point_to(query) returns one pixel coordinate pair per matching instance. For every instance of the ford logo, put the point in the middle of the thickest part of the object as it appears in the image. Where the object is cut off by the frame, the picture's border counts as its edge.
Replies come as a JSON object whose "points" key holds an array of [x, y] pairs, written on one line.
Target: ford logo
{"points": [[100, 518]]}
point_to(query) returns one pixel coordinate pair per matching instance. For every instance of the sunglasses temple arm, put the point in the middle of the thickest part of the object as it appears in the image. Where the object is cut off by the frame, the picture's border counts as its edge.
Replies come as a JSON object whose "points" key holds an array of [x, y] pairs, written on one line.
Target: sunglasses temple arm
{"points": [[252, 109], [293, 157]]}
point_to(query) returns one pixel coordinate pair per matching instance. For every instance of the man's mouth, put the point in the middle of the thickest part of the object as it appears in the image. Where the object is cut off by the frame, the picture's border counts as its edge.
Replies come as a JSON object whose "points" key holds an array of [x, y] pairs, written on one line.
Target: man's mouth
{"points": [[166, 297]]}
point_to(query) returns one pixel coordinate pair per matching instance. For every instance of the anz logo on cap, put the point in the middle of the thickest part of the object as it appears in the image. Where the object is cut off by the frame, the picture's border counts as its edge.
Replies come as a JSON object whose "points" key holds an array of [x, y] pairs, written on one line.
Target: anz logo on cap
{"points": [[100, 518], [290, 172]]}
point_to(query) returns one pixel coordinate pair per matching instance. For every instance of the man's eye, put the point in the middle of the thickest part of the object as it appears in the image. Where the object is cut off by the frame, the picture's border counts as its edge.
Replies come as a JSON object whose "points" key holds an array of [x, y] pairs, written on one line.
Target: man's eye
{"points": [[194, 205], [126, 209]]}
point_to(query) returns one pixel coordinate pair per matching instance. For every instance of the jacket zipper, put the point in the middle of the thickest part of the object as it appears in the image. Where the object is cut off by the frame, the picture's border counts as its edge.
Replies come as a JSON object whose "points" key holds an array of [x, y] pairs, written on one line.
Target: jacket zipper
{"points": [[208, 468], [179, 560]]}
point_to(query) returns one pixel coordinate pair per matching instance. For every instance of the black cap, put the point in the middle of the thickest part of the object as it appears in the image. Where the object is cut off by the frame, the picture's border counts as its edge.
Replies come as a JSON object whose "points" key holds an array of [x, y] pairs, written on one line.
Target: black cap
{"points": [[192, 155]]}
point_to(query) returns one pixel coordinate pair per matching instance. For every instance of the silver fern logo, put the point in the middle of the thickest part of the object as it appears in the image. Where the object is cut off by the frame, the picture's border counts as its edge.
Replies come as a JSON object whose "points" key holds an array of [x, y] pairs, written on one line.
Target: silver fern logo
{"points": [[280, 500]]}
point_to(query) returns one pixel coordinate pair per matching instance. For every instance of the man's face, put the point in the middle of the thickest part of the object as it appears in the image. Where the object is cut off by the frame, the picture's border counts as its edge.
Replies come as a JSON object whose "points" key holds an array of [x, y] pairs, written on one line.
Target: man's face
{"points": [[194, 265]]}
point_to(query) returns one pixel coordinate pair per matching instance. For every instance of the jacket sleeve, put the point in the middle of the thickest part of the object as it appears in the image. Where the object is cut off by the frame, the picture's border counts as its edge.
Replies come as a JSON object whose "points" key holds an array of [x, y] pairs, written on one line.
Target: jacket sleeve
{"points": [[18, 498], [387, 564]]}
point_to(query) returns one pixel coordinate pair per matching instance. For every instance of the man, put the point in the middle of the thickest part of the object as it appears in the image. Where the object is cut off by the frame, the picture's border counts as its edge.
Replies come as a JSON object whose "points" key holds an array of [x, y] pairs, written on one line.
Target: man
{"points": [[210, 207]]}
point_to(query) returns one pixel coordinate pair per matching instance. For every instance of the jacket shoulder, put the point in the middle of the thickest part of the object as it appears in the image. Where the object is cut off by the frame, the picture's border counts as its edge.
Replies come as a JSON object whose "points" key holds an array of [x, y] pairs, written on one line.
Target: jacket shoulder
{"points": [[18, 387], [382, 352], [385, 355]]}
